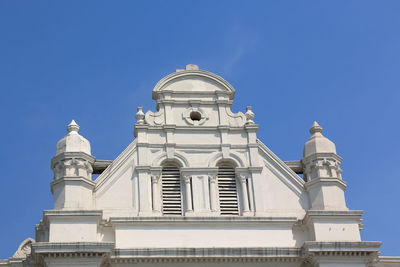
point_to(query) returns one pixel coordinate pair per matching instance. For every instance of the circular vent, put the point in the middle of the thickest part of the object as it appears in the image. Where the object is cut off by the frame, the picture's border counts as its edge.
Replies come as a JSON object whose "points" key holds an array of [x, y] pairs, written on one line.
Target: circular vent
{"points": [[195, 116]]}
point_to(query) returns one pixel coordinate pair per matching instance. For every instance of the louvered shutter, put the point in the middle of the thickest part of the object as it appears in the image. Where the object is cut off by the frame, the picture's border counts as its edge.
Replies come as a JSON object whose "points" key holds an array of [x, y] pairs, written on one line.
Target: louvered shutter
{"points": [[227, 191], [171, 191]]}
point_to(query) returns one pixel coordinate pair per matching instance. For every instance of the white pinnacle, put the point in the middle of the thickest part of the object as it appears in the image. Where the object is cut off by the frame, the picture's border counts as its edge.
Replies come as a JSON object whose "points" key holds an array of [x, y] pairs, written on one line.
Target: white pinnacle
{"points": [[73, 127], [315, 128]]}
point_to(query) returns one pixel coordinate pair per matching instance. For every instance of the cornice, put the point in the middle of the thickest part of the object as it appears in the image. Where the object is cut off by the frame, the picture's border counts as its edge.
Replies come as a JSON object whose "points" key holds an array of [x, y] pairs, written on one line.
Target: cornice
{"points": [[211, 220], [72, 249], [333, 215], [196, 146], [325, 181], [362, 251], [191, 128], [194, 170], [75, 179], [337, 247], [199, 102], [389, 259], [206, 254], [58, 213]]}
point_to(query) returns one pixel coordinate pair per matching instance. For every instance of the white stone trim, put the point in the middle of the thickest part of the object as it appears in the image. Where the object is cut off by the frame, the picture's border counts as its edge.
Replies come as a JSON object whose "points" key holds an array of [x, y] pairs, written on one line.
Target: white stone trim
{"points": [[206, 254], [242, 220], [230, 91]]}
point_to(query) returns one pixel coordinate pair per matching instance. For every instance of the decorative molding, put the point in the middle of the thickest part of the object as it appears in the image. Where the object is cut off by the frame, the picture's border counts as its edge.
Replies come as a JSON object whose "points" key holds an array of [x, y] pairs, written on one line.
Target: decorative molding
{"points": [[155, 118], [24, 249], [188, 111], [212, 178], [73, 249], [332, 216], [155, 178], [325, 181], [214, 219], [187, 179], [240, 254]]}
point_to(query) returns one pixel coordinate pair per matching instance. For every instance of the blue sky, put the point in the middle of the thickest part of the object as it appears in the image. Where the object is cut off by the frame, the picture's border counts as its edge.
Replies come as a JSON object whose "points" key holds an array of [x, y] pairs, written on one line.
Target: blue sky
{"points": [[336, 62]]}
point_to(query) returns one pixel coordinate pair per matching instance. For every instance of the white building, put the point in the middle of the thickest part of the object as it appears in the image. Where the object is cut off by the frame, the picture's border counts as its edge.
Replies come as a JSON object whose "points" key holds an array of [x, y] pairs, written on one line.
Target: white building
{"points": [[197, 187]]}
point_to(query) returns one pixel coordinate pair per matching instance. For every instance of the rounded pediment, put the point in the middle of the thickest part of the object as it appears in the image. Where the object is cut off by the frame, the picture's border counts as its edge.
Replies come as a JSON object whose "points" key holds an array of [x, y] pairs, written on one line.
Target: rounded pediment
{"points": [[193, 81]]}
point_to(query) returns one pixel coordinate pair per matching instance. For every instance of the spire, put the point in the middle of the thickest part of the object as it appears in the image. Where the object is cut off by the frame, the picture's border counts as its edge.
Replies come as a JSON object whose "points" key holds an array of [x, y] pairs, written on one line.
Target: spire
{"points": [[73, 127], [316, 128]]}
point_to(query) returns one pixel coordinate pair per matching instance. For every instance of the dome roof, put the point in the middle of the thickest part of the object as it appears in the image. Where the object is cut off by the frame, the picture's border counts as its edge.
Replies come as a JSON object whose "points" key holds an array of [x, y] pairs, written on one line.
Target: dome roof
{"points": [[318, 143], [73, 141]]}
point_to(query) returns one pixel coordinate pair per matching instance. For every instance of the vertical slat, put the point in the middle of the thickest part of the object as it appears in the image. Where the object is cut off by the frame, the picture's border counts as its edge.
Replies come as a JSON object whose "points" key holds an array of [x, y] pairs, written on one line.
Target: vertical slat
{"points": [[227, 191], [171, 191]]}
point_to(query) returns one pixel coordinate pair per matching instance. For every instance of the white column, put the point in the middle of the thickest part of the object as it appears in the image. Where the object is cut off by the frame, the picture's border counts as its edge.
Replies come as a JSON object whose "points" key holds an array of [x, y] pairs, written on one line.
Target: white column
{"points": [[188, 191], [245, 197], [154, 189], [213, 192]]}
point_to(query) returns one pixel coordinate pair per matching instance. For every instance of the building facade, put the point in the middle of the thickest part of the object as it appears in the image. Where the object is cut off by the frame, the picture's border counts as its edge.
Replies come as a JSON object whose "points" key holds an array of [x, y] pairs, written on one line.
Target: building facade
{"points": [[196, 187]]}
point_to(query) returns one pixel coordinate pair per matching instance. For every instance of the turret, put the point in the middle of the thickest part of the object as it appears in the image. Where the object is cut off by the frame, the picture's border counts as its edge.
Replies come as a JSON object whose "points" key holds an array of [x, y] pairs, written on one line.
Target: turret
{"points": [[72, 186], [322, 172]]}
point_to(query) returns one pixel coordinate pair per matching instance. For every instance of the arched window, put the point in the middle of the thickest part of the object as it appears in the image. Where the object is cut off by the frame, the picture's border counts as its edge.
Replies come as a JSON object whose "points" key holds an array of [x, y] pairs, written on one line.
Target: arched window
{"points": [[171, 190], [227, 190]]}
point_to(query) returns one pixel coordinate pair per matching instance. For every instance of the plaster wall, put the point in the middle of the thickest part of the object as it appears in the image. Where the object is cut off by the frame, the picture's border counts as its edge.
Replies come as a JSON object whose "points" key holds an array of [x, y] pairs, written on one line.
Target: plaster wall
{"points": [[337, 231], [206, 235], [73, 229], [328, 197]]}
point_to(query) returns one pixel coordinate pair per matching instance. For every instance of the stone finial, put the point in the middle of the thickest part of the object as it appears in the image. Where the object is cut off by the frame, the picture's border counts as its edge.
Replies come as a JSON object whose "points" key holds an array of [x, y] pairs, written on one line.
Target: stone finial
{"points": [[191, 67], [140, 115], [73, 127], [316, 128], [249, 115]]}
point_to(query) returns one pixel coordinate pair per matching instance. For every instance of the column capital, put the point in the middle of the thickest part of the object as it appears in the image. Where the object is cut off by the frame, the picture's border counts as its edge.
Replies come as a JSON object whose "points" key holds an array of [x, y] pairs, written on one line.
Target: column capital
{"points": [[155, 178], [187, 178], [212, 178]]}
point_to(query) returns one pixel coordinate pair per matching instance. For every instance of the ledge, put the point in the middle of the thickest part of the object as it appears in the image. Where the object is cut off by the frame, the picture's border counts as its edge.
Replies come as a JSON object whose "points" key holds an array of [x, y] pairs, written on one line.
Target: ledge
{"points": [[333, 214], [185, 219], [72, 213], [326, 180], [72, 179], [389, 259], [219, 254], [361, 246], [73, 247]]}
